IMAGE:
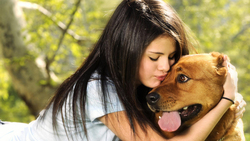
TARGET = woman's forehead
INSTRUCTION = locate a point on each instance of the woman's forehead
(162, 44)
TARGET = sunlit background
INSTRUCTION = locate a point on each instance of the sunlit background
(222, 26)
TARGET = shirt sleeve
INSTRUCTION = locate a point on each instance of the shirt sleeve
(95, 104)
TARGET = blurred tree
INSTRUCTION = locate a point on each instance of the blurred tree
(18, 61)
(39, 52)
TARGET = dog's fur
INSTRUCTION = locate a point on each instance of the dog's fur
(196, 79)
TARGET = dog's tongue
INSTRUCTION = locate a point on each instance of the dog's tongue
(170, 121)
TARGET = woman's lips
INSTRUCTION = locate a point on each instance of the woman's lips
(161, 78)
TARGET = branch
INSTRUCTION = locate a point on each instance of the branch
(243, 29)
(45, 12)
(49, 61)
(65, 29)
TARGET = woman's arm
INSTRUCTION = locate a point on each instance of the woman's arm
(201, 129)
(119, 124)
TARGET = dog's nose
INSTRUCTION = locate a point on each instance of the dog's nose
(152, 98)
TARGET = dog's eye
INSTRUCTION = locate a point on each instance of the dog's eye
(182, 78)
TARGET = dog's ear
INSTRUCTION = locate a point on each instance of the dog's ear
(220, 69)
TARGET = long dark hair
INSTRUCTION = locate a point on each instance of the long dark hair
(117, 54)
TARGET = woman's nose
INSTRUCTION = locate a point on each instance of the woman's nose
(164, 66)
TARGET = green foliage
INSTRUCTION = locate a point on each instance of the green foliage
(222, 26)
(12, 107)
(4, 82)
(247, 135)
(43, 34)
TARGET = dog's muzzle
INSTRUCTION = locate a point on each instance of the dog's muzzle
(152, 98)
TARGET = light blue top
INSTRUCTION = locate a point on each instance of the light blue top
(43, 131)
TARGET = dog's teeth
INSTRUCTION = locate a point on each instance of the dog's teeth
(159, 117)
(185, 108)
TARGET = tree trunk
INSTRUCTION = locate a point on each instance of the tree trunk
(25, 73)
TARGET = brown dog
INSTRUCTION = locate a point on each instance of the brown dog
(191, 89)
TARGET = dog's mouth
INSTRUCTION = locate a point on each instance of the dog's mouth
(189, 112)
(170, 121)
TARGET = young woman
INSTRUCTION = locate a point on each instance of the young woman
(104, 99)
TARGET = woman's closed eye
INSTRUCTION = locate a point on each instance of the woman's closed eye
(153, 59)
(171, 57)
(156, 58)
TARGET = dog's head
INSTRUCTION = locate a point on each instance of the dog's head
(193, 86)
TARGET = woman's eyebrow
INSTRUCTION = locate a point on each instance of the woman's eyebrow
(156, 52)
(161, 52)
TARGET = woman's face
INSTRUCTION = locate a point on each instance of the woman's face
(156, 61)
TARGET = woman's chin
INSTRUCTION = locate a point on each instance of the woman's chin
(153, 85)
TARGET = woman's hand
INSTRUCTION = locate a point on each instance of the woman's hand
(230, 86)
(230, 89)
(240, 106)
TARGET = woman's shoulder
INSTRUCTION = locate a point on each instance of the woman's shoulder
(96, 104)
(95, 83)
